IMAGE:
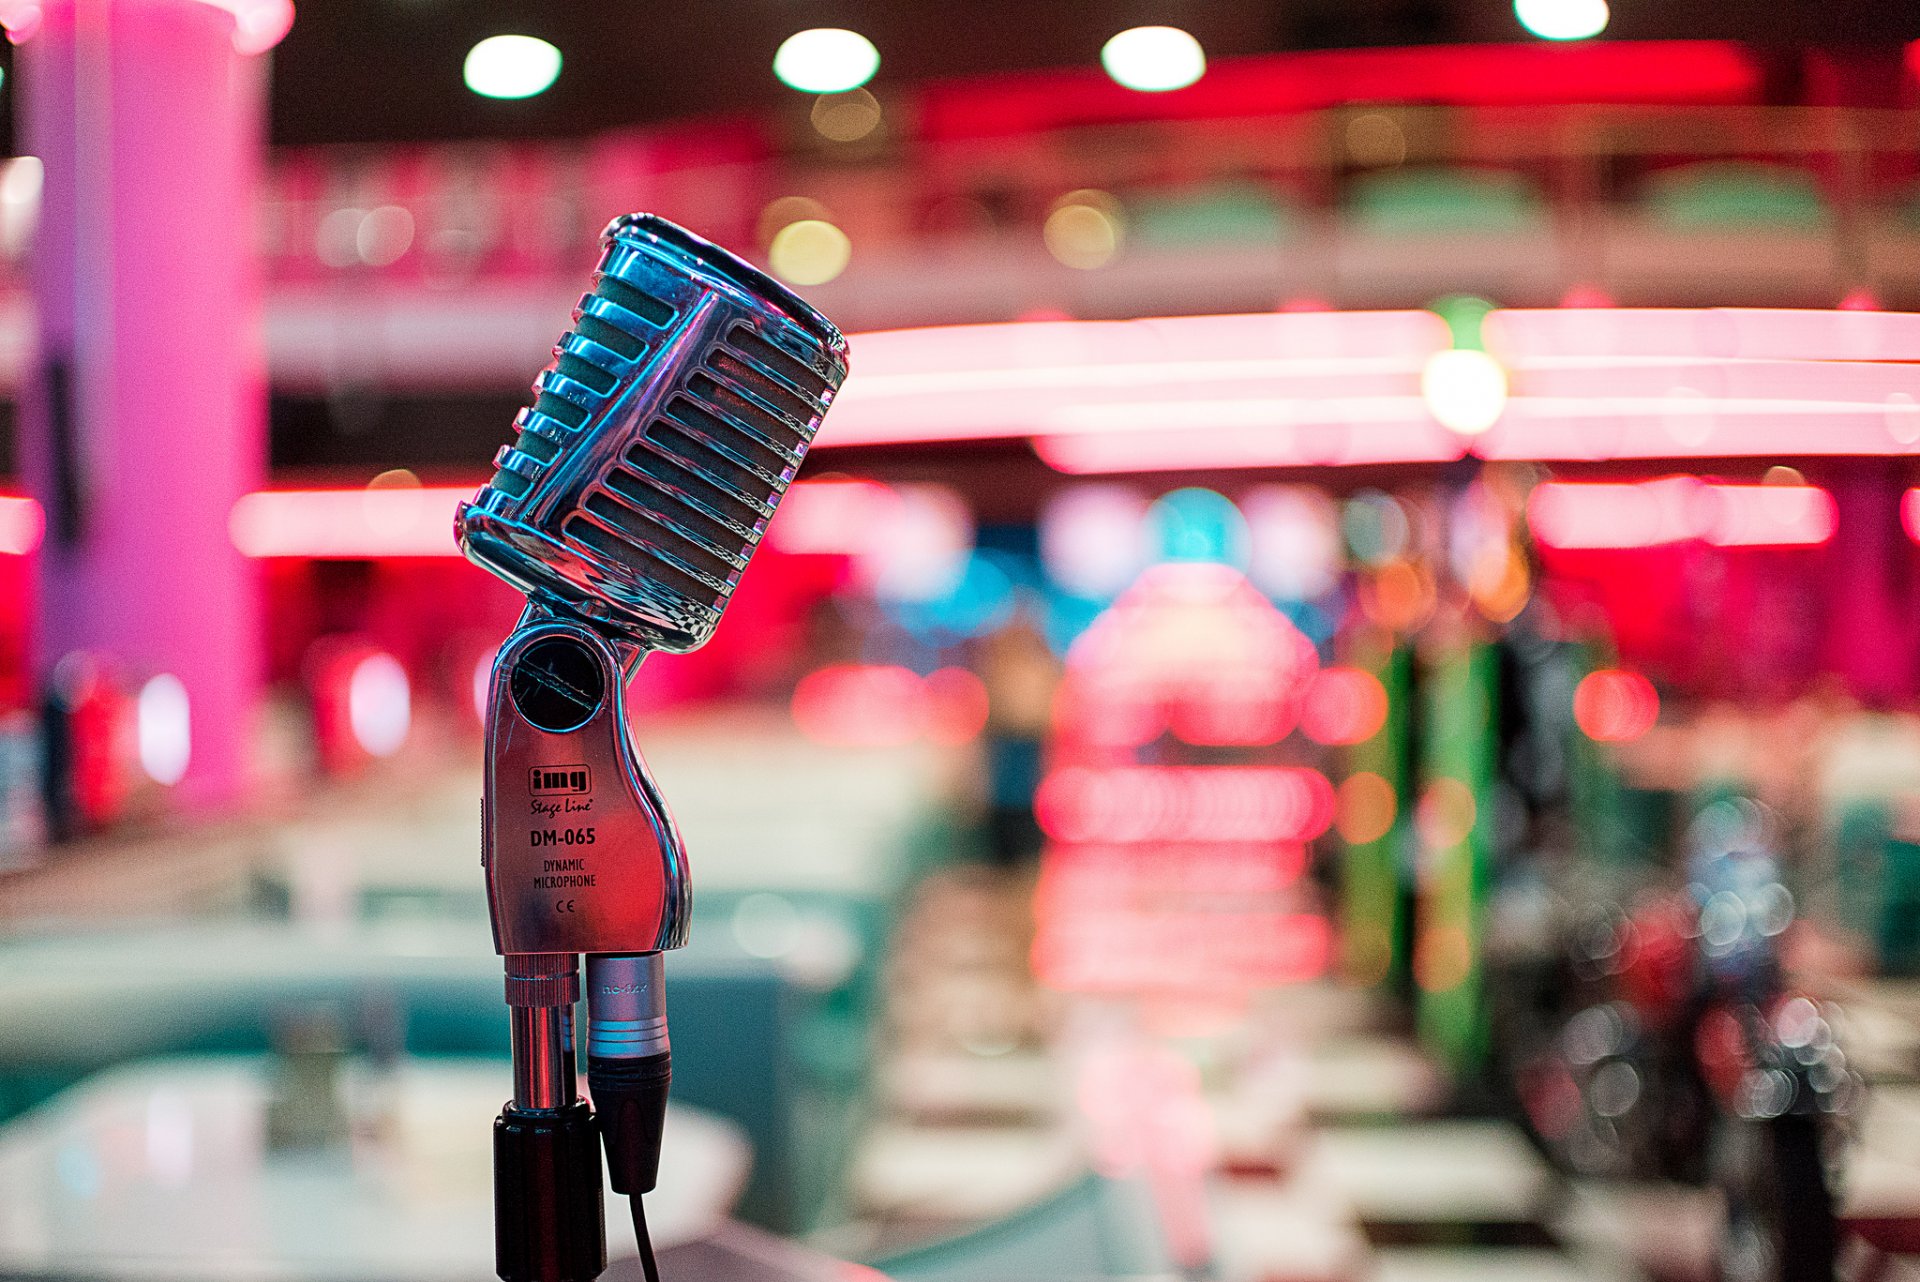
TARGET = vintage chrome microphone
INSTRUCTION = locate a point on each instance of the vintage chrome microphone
(659, 442)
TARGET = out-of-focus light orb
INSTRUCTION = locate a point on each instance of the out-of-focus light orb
(384, 236)
(1092, 539)
(1343, 706)
(1465, 390)
(810, 252)
(1198, 524)
(1615, 706)
(336, 239)
(1562, 19)
(164, 730)
(379, 704)
(825, 60)
(1375, 139)
(1084, 229)
(512, 66)
(846, 117)
(1367, 808)
(1154, 59)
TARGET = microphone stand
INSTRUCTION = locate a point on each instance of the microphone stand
(581, 858)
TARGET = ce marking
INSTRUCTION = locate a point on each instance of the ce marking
(563, 905)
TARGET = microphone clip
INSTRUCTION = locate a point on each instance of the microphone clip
(580, 853)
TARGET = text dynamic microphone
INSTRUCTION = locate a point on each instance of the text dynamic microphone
(673, 417)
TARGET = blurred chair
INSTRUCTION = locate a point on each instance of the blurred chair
(1218, 214)
(1734, 195)
(1431, 201)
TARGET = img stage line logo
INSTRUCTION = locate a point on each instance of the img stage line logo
(561, 781)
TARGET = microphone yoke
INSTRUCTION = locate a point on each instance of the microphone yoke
(660, 440)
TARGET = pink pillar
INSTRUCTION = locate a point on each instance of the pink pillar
(145, 417)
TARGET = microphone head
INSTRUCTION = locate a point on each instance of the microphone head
(674, 416)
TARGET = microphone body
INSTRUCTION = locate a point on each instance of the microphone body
(660, 440)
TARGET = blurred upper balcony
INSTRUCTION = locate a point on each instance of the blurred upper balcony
(1638, 173)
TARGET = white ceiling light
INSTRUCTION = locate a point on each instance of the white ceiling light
(826, 60)
(1562, 19)
(511, 66)
(1154, 59)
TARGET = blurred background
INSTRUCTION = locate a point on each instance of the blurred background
(1336, 699)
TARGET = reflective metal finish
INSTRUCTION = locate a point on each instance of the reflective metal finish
(542, 1058)
(626, 1005)
(541, 991)
(580, 853)
(660, 440)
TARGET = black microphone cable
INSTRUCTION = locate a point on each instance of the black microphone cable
(630, 1069)
(647, 1265)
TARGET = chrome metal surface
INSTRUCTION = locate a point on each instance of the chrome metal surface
(541, 991)
(674, 416)
(626, 1005)
(542, 1057)
(580, 853)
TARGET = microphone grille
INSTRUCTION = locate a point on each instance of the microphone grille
(676, 412)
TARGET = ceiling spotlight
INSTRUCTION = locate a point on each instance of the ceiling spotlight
(511, 66)
(1154, 59)
(826, 60)
(1562, 19)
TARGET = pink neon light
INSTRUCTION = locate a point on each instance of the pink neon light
(1521, 336)
(1319, 388)
(1910, 512)
(1352, 431)
(833, 517)
(1578, 515)
(22, 523)
(969, 382)
(861, 706)
(1185, 803)
(347, 524)
(1136, 950)
(258, 25)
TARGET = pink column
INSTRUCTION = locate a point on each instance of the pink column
(145, 417)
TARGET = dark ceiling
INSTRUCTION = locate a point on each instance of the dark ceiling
(389, 70)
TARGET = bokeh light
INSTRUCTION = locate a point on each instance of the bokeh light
(809, 252)
(1343, 706)
(1562, 19)
(1366, 808)
(826, 60)
(1615, 706)
(846, 117)
(1465, 390)
(164, 729)
(379, 704)
(1154, 59)
(512, 66)
(1084, 229)
(1197, 524)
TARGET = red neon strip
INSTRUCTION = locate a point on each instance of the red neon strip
(1576, 515)
(1660, 72)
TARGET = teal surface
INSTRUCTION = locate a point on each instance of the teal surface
(1729, 195)
(1427, 201)
(1098, 1228)
(1227, 214)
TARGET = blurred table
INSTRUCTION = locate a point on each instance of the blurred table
(161, 1170)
